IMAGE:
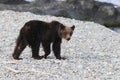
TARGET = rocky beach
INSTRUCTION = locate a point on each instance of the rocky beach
(93, 53)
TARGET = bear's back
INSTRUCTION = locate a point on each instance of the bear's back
(36, 24)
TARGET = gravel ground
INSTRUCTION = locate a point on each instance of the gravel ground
(93, 53)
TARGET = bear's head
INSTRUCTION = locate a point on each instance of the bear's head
(66, 32)
(63, 31)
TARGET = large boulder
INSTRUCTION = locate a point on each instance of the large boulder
(105, 13)
(118, 17)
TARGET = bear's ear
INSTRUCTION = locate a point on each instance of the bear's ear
(62, 26)
(73, 27)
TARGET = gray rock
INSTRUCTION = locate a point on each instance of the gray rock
(87, 10)
(13, 1)
(105, 14)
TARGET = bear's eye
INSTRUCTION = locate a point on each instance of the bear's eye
(71, 33)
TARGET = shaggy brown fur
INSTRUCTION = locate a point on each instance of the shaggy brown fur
(35, 32)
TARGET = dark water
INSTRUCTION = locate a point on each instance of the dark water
(116, 29)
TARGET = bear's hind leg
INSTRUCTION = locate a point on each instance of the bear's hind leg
(18, 49)
(46, 47)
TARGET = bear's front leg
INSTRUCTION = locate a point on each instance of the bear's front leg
(57, 50)
(35, 51)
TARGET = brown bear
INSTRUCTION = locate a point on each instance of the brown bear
(35, 32)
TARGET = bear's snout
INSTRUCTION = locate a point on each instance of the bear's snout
(68, 39)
